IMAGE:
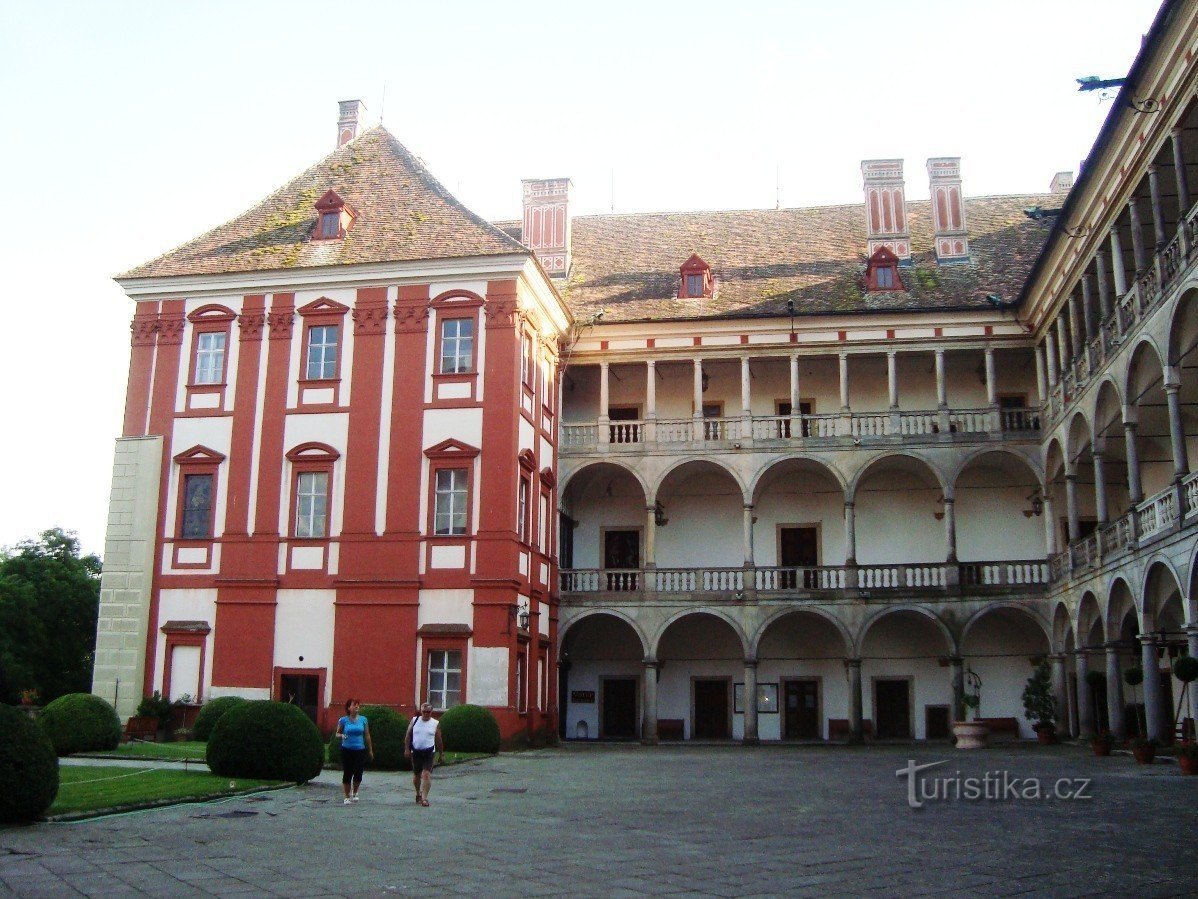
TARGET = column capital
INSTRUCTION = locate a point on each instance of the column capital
(651, 663)
(1102, 250)
(750, 662)
(891, 353)
(848, 504)
(1071, 476)
(956, 660)
(1111, 647)
(1149, 639)
(1057, 656)
(1096, 453)
(852, 662)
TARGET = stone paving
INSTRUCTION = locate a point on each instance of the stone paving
(631, 821)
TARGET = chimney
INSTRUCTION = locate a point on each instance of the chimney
(948, 209)
(347, 121)
(886, 208)
(546, 227)
(1062, 183)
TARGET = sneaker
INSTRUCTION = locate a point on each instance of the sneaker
(354, 798)
(345, 801)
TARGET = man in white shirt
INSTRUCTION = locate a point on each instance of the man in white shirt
(422, 741)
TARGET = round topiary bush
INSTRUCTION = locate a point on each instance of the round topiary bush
(210, 713)
(28, 768)
(268, 740)
(1185, 669)
(80, 722)
(387, 731)
(470, 728)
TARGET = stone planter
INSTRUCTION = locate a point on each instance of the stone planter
(971, 734)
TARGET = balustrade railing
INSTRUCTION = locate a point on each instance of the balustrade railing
(971, 421)
(919, 423)
(870, 424)
(1189, 491)
(1020, 420)
(1156, 513)
(625, 432)
(675, 430)
(813, 578)
(1002, 574)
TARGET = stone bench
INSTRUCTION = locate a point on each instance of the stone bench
(1001, 727)
(838, 729)
(670, 729)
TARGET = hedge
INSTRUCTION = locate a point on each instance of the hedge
(28, 768)
(470, 728)
(210, 713)
(266, 740)
(81, 722)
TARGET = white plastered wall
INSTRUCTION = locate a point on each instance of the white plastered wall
(304, 631)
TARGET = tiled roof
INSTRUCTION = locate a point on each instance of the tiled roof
(403, 213)
(628, 265)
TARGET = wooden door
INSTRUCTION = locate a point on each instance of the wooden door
(623, 433)
(619, 709)
(711, 710)
(892, 709)
(302, 690)
(784, 407)
(622, 553)
(802, 710)
(798, 548)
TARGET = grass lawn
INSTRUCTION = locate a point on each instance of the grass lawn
(193, 750)
(87, 788)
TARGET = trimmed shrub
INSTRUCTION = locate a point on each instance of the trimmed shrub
(267, 740)
(28, 768)
(210, 713)
(470, 728)
(387, 731)
(81, 722)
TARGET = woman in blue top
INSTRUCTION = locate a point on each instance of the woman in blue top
(353, 730)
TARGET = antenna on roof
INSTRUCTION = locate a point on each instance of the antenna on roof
(777, 186)
(383, 105)
(613, 190)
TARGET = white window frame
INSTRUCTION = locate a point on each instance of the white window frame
(322, 352)
(457, 347)
(210, 357)
(440, 670)
(312, 505)
(451, 495)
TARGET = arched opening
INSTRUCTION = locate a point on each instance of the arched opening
(1183, 353)
(906, 684)
(701, 659)
(1063, 642)
(601, 664)
(899, 512)
(1002, 646)
(998, 509)
(1164, 619)
(1081, 461)
(1109, 437)
(1121, 654)
(700, 523)
(602, 542)
(800, 660)
(798, 525)
(1055, 531)
(1145, 394)
(1091, 660)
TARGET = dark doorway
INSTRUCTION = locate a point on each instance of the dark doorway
(619, 709)
(1102, 721)
(936, 722)
(623, 433)
(622, 552)
(302, 690)
(711, 710)
(784, 408)
(892, 709)
(714, 427)
(802, 710)
(798, 548)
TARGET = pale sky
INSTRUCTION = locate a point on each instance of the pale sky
(134, 126)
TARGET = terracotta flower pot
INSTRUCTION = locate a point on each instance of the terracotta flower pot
(1046, 734)
(1144, 754)
(1188, 763)
(1101, 747)
(971, 734)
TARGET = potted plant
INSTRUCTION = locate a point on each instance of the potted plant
(184, 712)
(1143, 749)
(1094, 680)
(971, 734)
(1187, 757)
(1102, 743)
(156, 708)
(1185, 669)
(1040, 705)
(1134, 677)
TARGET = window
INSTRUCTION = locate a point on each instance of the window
(522, 511)
(334, 217)
(457, 345)
(330, 225)
(444, 678)
(197, 507)
(322, 352)
(521, 686)
(210, 357)
(885, 278)
(311, 505)
(543, 525)
(881, 272)
(694, 285)
(449, 517)
(694, 278)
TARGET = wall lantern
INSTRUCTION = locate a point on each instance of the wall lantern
(1037, 506)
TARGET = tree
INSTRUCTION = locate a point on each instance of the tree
(49, 601)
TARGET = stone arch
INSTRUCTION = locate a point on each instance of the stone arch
(700, 517)
(696, 461)
(569, 480)
(613, 613)
(1054, 458)
(764, 473)
(1062, 627)
(914, 608)
(701, 610)
(1161, 582)
(889, 492)
(1121, 599)
(602, 652)
(836, 623)
(1078, 439)
(1143, 370)
(881, 459)
(1108, 409)
(1089, 614)
(1183, 325)
(998, 644)
(973, 455)
(1044, 626)
(601, 497)
(996, 492)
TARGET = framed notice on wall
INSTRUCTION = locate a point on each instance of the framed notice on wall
(582, 696)
(767, 699)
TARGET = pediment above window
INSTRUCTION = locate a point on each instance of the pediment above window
(323, 306)
(313, 452)
(211, 313)
(452, 449)
(199, 455)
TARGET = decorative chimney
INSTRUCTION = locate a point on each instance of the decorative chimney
(1062, 183)
(948, 209)
(347, 122)
(546, 227)
(886, 208)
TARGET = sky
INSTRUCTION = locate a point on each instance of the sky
(135, 126)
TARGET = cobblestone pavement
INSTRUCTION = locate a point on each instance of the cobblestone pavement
(623, 821)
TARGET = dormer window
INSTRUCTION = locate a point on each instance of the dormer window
(695, 281)
(335, 217)
(881, 272)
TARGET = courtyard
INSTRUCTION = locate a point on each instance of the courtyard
(599, 820)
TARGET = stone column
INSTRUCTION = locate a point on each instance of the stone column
(1071, 505)
(957, 683)
(1060, 690)
(852, 668)
(750, 737)
(1158, 210)
(1177, 434)
(1050, 527)
(1192, 640)
(941, 386)
(649, 702)
(1100, 507)
(1117, 262)
(1114, 692)
(748, 535)
(892, 377)
(1137, 235)
(1179, 173)
(844, 382)
(1062, 343)
(950, 530)
(1134, 489)
(991, 380)
(1093, 314)
(1051, 356)
(651, 396)
(1085, 698)
(1104, 282)
(850, 534)
(746, 403)
(796, 421)
(604, 434)
(1041, 377)
(697, 394)
(1076, 325)
(651, 536)
(1154, 712)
